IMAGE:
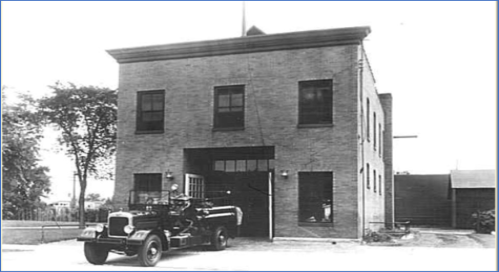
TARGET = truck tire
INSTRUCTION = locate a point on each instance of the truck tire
(150, 252)
(219, 238)
(95, 254)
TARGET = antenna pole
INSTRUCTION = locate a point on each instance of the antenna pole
(244, 19)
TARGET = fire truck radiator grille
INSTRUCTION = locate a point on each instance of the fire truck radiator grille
(116, 225)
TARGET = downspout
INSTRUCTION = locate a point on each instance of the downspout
(360, 81)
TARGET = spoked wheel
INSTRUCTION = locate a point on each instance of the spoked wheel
(150, 253)
(219, 238)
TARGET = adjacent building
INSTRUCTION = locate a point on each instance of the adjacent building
(291, 124)
(424, 200)
(471, 191)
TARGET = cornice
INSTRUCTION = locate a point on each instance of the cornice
(249, 44)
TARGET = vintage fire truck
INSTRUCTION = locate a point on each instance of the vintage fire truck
(160, 221)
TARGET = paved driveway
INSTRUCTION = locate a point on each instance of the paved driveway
(245, 254)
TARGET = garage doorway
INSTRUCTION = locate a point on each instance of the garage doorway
(245, 172)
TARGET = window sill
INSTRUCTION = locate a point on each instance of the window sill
(314, 125)
(317, 224)
(149, 131)
(228, 129)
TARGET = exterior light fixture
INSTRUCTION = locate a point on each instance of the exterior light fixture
(284, 173)
(168, 175)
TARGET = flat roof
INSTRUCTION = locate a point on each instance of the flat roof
(241, 45)
(461, 179)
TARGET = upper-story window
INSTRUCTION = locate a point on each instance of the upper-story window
(316, 102)
(150, 111)
(368, 125)
(229, 107)
(374, 130)
(380, 139)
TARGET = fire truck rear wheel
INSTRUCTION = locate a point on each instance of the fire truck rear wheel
(150, 252)
(219, 238)
(95, 254)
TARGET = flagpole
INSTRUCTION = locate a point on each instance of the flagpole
(244, 19)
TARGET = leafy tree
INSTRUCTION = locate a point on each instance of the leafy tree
(94, 197)
(24, 182)
(86, 117)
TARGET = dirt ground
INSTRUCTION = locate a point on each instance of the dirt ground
(426, 252)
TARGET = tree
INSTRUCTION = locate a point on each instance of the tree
(94, 197)
(86, 117)
(24, 182)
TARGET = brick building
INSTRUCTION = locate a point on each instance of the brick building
(291, 124)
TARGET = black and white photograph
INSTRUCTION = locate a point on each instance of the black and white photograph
(249, 135)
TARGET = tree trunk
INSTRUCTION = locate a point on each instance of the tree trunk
(81, 204)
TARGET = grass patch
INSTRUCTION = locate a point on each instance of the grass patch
(34, 236)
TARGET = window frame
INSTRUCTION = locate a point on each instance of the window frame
(216, 108)
(150, 179)
(368, 172)
(368, 125)
(140, 124)
(326, 106)
(375, 135)
(380, 184)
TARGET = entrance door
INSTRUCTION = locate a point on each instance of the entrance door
(194, 186)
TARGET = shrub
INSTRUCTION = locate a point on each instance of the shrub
(484, 221)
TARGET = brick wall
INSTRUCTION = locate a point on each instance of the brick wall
(386, 101)
(271, 118)
(371, 199)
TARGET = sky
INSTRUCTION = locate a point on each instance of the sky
(437, 59)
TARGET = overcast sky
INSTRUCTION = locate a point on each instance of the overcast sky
(438, 59)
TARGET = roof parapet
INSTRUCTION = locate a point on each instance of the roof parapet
(248, 44)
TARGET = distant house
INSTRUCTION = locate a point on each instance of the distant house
(424, 200)
(60, 204)
(473, 190)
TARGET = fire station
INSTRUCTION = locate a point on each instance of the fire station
(291, 125)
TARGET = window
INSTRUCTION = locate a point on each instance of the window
(150, 111)
(368, 185)
(229, 107)
(315, 102)
(147, 182)
(379, 180)
(374, 181)
(315, 197)
(374, 131)
(368, 120)
(243, 165)
(380, 139)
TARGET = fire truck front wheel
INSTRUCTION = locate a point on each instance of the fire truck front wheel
(150, 252)
(219, 238)
(95, 254)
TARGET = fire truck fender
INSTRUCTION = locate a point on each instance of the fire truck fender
(138, 238)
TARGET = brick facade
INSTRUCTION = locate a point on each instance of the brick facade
(271, 81)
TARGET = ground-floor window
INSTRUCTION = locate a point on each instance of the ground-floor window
(315, 196)
(147, 182)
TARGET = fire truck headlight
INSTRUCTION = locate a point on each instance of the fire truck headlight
(128, 229)
(99, 228)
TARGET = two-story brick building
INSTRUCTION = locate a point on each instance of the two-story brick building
(291, 124)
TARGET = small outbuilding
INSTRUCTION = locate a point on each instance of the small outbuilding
(471, 191)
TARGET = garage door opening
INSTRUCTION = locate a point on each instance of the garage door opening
(247, 173)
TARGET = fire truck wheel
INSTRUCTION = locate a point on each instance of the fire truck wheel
(95, 254)
(219, 238)
(150, 252)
